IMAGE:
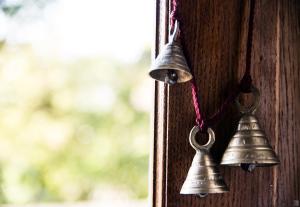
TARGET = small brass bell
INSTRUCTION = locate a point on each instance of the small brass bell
(203, 176)
(171, 66)
(249, 147)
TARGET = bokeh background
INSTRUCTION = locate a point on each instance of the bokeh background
(75, 101)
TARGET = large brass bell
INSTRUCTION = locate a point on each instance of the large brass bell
(249, 147)
(203, 176)
(171, 66)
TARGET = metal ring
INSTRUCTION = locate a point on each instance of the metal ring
(196, 145)
(253, 107)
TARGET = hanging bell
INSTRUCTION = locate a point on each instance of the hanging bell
(203, 176)
(171, 66)
(249, 147)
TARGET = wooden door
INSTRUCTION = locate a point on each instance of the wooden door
(214, 43)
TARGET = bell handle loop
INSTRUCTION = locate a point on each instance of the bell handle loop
(196, 145)
(251, 109)
(175, 33)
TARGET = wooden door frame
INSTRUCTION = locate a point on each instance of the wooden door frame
(157, 181)
(276, 51)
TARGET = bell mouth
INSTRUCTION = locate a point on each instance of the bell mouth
(250, 167)
(206, 192)
(162, 73)
(203, 191)
(202, 195)
(251, 163)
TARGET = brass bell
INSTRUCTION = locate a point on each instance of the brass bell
(171, 66)
(249, 147)
(203, 176)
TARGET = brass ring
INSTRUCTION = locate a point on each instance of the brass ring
(253, 107)
(196, 145)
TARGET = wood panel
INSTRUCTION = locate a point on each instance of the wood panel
(288, 181)
(214, 35)
(158, 155)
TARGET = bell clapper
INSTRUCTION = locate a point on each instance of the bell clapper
(171, 78)
(248, 167)
(202, 195)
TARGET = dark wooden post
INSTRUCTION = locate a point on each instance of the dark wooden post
(214, 43)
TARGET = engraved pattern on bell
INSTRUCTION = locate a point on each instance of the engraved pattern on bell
(249, 146)
(203, 176)
(171, 66)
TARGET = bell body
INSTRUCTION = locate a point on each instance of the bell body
(171, 60)
(203, 176)
(249, 145)
(171, 66)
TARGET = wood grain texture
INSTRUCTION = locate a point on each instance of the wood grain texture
(158, 155)
(214, 40)
(288, 187)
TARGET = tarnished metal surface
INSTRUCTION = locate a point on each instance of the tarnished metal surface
(203, 176)
(171, 66)
(249, 146)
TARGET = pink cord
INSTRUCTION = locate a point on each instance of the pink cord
(199, 117)
(245, 83)
(173, 15)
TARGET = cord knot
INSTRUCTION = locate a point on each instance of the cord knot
(246, 83)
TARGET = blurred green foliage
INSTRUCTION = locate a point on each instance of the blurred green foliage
(12, 7)
(69, 129)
